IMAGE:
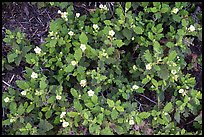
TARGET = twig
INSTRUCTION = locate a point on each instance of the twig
(148, 98)
(11, 79)
(140, 104)
(7, 83)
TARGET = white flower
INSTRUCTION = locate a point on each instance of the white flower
(175, 10)
(90, 93)
(6, 99)
(187, 87)
(173, 71)
(83, 83)
(73, 63)
(95, 26)
(62, 114)
(65, 124)
(133, 38)
(105, 7)
(165, 113)
(148, 66)
(58, 97)
(135, 87)
(111, 33)
(37, 50)
(104, 54)
(71, 33)
(131, 122)
(77, 15)
(59, 12)
(191, 28)
(101, 6)
(181, 90)
(34, 75)
(83, 47)
(23, 92)
(134, 67)
(64, 15)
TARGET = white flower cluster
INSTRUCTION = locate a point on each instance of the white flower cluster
(83, 47)
(135, 87)
(104, 53)
(101, 6)
(95, 26)
(63, 15)
(182, 91)
(65, 124)
(62, 114)
(83, 83)
(6, 99)
(131, 121)
(90, 93)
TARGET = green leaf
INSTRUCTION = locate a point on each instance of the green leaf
(13, 107)
(21, 109)
(163, 73)
(30, 108)
(45, 126)
(170, 44)
(106, 131)
(107, 22)
(127, 33)
(74, 93)
(176, 18)
(78, 54)
(11, 57)
(94, 98)
(72, 114)
(114, 114)
(77, 105)
(168, 107)
(177, 116)
(144, 115)
(119, 108)
(100, 118)
(119, 43)
(127, 6)
(6, 122)
(69, 68)
(154, 9)
(48, 114)
(150, 35)
(43, 83)
(83, 38)
(51, 99)
(172, 55)
(138, 30)
(155, 83)
(110, 103)
(44, 109)
(199, 118)
(148, 56)
(22, 84)
(157, 47)
(86, 116)
(164, 9)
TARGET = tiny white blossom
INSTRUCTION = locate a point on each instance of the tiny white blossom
(62, 114)
(131, 122)
(83, 47)
(187, 87)
(23, 92)
(181, 90)
(37, 50)
(191, 28)
(173, 71)
(104, 54)
(64, 15)
(148, 66)
(58, 97)
(83, 83)
(111, 33)
(77, 15)
(73, 63)
(65, 124)
(34, 75)
(105, 7)
(133, 38)
(59, 12)
(101, 6)
(71, 33)
(134, 67)
(6, 99)
(175, 10)
(165, 113)
(90, 93)
(95, 26)
(135, 87)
